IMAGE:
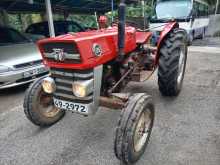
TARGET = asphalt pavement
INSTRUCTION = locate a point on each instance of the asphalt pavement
(186, 130)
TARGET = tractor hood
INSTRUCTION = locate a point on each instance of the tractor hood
(95, 47)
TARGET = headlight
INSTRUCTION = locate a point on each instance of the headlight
(4, 69)
(82, 88)
(49, 85)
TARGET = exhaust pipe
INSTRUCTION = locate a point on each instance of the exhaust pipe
(121, 29)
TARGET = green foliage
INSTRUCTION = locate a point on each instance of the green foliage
(134, 11)
(22, 21)
(85, 20)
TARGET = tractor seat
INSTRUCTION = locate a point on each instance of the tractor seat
(142, 37)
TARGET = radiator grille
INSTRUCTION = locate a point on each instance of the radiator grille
(69, 52)
(64, 79)
(28, 64)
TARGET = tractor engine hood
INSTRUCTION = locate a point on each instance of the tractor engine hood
(89, 49)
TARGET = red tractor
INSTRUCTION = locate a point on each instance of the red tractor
(90, 69)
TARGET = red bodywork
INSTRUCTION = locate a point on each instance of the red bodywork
(106, 38)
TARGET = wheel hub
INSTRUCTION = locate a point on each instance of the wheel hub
(181, 67)
(141, 131)
(46, 105)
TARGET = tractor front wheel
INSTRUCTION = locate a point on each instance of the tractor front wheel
(172, 63)
(39, 107)
(134, 128)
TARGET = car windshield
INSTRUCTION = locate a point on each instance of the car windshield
(10, 36)
(62, 27)
(65, 27)
(173, 9)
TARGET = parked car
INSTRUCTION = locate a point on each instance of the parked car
(60, 27)
(20, 59)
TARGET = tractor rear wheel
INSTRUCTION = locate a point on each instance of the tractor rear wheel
(39, 107)
(134, 128)
(172, 63)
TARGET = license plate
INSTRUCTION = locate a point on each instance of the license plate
(69, 106)
(34, 72)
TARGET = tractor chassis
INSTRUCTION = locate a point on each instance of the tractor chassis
(90, 83)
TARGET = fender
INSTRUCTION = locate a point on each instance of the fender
(168, 27)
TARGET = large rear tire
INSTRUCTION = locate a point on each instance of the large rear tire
(39, 107)
(172, 63)
(134, 128)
